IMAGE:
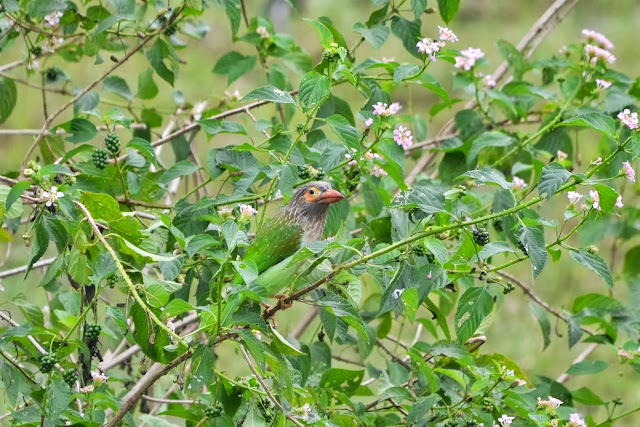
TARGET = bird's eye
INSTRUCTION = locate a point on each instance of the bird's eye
(312, 192)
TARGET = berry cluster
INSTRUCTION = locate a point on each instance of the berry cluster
(303, 172)
(47, 362)
(92, 332)
(70, 376)
(213, 411)
(421, 250)
(36, 51)
(171, 30)
(508, 288)
(333, 52)
(497, 224)
(521, 246)
(481, 236)
(112, 279)
(112, 142)
(463, 190)
(100, 158)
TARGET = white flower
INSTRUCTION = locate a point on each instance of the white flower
(247, 210)
(257, 334)
(446, 34)
(552, 403)
(518, 183)
(67, 423)
(52, 44)
(225, 212)
(305, 410)
(235, 96)
(368, 122)
(468, 58)
(394, 108)
(99, 377)
(561, 155)
(278, 92)
(576, 421)
(629, 119)
(573, 197)
(505, 420)
(428, 47)
(595, 53)
(263, 32)
(370, 155)
(594, 36)
(597, 162)
(87, 389)
(52, 19)
(171, 325)
(603, 84)
(488, 81)
(397, 293)
(387, 60)
(402, 136)
(378, 171)
(52, 196)
(619, 202)
(595, 199)
(518, 382)
(33, 65)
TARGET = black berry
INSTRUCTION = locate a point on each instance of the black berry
(100, 158)
(112, 141)
(70, 376)
(47, 362)
(481, 236)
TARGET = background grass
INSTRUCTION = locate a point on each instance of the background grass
(480, 24)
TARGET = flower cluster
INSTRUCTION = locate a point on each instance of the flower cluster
(505, 420)
(447, 35)
(377, 171)
(52, 19)
(52, 196)
(382, 109)
(594, 53)
(602, 84)
(518, 183)
(263, 32)
(552, 403)
(431, 47)
(628, 118)
(576, 421)
(598, 38)
(468, 58)
(628, 171)
(99, 377)
(403, 137)
(247, 210)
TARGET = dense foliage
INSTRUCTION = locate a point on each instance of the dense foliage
(146, 247)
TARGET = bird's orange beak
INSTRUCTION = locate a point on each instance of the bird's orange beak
(330, 196)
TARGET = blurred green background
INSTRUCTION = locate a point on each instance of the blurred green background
(480, 23)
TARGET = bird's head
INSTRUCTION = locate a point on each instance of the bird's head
(309, 206)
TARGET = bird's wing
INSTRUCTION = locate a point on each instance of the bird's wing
(276, 241)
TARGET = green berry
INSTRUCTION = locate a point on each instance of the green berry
(112, 141)
(481, 236)
(171, 30)
(521, 246)
(100, 158)
(213, 411)
(320, 174)
(36, 51)
(92, 332)
(303, 172)
(70, 376)
(112, 279)
(47, 362)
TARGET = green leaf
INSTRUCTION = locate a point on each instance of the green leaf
(494, 248)
(588, 367)
(596, 121)
(594, 263)
(216, 126)
(41, 8)
(418, 7)
(147, 88)
(342, 380)
(474, 305)
(487, 139)
(31, 312)
(153, 257)
(533, 240)
(39, 246)
(345, 131)
(101, 205)
(404, 72)
(151, 420)
(82, 130)
(586, 396)
(123, 8)
(283, 346)
(269, 93)
(607, 197)
(15, 192)
(8, 98)
(326, 38)
(487, 176)
(185, 167)
(543, 321)
(157, 56)
(233, 8)
(314, 90)
(58, 396)
(448, 9)
(119, 86)
(235, 65)
(17, 208)
(408, 32)
(247, 269)
(551, 179)
(376, 34)
(87, 102)
(420, 409)
(145, 148)
(54, 169)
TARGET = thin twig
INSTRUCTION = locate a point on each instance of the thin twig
(265, 388)
(23, 268)
(169, 401)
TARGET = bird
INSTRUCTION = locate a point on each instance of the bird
(300, 222)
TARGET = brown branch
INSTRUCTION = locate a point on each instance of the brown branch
(304, 323)
(392, 355)
(155, 372)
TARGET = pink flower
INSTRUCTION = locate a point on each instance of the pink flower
(576, 421)
(595, 199)
(468, 58)
(52, 19)
(629, 119)
(429, 276)
(518, 183)
(263, 32)
(594, 36)
(619, 202)
(574, 197)
(387, 60)
(505, 420)
(370, 155)
(378, 171)
(368, 122)
(489, 82)
(403, 137)
(602, 84)
(394, 108)
(628, 171)
(595, 53)
(247, 210)
(382, 109)
(552, 403)
(428, 47)
(447, 35)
